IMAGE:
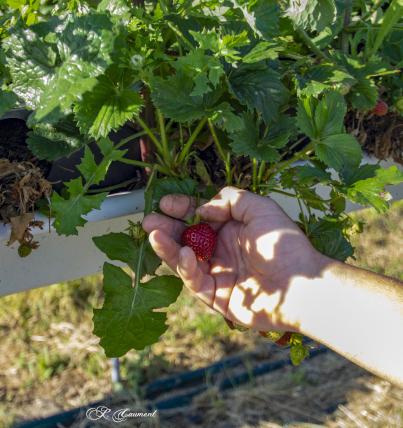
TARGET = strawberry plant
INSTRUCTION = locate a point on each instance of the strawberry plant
(251, 93)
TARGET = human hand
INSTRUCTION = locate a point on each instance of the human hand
(260, 255)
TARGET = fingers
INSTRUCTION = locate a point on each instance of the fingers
(171, 227)
(165, 247)
(178, 206)
(193, 276)
(233, 203)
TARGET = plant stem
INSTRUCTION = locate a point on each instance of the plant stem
(254, 175)
(150, 134)
(186, 148)
(283, 165)
(179, 34)
(129, 138)
(141, 164)
(260, 173)
(164, 141)
(310, 44)
(114, 187)
(226, 158)
(347, 19)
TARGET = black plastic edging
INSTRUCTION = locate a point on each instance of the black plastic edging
(179, 400)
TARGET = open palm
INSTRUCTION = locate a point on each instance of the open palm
(259, 250)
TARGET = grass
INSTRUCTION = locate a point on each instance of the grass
(49, 359)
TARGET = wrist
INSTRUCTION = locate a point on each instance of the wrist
(303, 296)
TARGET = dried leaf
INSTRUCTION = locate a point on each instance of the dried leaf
(19, 226)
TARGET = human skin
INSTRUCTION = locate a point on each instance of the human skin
(266, 275)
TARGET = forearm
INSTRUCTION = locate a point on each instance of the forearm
(357, 313)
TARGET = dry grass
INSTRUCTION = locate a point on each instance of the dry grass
(50, 361)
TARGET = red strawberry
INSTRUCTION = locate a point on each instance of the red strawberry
(202, 239)
(381, 108)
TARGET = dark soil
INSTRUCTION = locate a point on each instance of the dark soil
(381, 137)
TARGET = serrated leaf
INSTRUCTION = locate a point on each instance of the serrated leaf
(7, 101)
(371, 191)
(248, 142)
(50, 76)
(313, 15)
(53, 141)
(92, 172)
(111, 103)
(225, 118)
(321, 118)
(309, 175)
(205, 70)
(351, 175)
(364, 95)
(169, 185)
(127, 319)
(261, 52)
(328, 238)
(259, 88)
(329, 115)
(339, 151)
(173, 97)
(70, 212)
(262, 16)
(122, 247)
(324, 77)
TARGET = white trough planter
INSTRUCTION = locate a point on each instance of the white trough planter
(61, 258)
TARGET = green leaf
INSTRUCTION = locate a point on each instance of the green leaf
(324, 77)
(339, 151)
(309, 175)
(319, 119)
(111, 103)
(261, 15)
(122, 247)
(305, 116)
(371, 191)
(328, 238)
(169, 185)
(329, 115)
(312, 15)
(261, 52)
(70, 212)
(7, 101)
(259, 88)
(53, 141)
(94, 173)
(173, 97)
(225, 118)
(351, 175)
(50, 76)
(205, 70)
(127, 319)
(364, 94)
(248, 142)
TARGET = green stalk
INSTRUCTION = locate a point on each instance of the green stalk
(147, 210)
(254, 175)
(150, 134)
(164, 141)
(347, 19)
(186, 148)
(226, 158)
(161, 168)
(390, 18)
(179, 34)
(260, 173)
(310, 44)
(280, 166)
(129, 138)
